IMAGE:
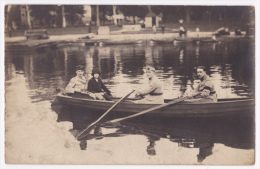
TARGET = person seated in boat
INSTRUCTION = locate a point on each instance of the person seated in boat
(238, 32)
(222, 31)
(77, 83)
(152, 93)
(205, 88)
(96, 86)
(182, 31)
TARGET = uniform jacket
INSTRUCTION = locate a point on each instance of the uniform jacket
(152, 93)
(207, 89)
(97, 86)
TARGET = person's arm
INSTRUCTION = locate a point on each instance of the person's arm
(151, 87)
(105, 88)
(71, 86)
(206, 90)
(90, 86)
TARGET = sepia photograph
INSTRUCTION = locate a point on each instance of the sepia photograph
(115, 84)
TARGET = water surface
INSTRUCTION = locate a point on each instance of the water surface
(35, 74)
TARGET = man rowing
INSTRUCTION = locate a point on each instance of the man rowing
(152, 93)
(205, 88)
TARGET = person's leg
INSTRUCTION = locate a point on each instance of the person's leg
(107, 97)
(99, 96)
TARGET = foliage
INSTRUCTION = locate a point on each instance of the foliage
(134, 10)
(13, 15)
(42, 12)
(73, 13)
(51, 14)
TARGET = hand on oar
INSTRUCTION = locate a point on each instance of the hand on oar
(91, 126)
(151, 109)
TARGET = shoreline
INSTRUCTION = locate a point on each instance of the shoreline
(77, 38)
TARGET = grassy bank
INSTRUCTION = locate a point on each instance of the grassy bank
(203, 26)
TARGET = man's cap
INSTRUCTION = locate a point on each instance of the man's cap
(80, 67)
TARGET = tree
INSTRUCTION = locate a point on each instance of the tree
(42, 13)
(134, 10)
(73, 12)
(114, 13)
(64, 24)
(188, 11)
(97, 16)
(13, 14)
(157, 9)
(28, 15)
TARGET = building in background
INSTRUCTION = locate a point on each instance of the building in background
(152, 19)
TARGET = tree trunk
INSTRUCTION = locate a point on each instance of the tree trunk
(114, 13)
(28, 17)
(63, 17)
(209, 15)
(225, 13)
(97, 16)
(134, 19)
(187, 9)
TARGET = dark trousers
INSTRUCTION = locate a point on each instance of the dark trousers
(182, 33)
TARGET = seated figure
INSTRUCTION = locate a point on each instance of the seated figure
(182, 31)
(221, 31)
(205, 88)
(238, 32)
(77, 83)
(96, 86)
(152, 93)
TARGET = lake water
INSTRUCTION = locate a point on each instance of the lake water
(33, 75)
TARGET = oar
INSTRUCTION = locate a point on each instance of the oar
(91, 126)
(151, 109)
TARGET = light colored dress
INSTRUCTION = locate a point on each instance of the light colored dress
(76, 84)
(152, 93)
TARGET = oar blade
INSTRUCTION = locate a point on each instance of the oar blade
(85, 132)
(89, 128)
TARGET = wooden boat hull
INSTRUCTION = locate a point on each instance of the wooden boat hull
(183, 40)
(120, 42)
(192, 39)
(223, 107)
(162, 41)
(208, 41)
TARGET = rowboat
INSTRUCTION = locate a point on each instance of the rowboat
(193, 39)
(224, 107)
(180, 39)
(162, 41)
(120, 41)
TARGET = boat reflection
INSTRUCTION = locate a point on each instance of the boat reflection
(191, 133)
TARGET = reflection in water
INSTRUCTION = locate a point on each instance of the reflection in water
(231, 66)
(192, 133)
(151, 147)
(205, 149)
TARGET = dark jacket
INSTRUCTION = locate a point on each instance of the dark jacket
(97, 86)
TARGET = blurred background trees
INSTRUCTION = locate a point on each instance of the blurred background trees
(73, 15)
